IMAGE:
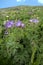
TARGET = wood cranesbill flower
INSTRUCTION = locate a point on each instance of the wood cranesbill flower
(34, 20)
(9, 24)
(22, 25)
(18, 23)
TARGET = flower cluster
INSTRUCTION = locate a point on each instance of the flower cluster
(34, 20)
(10, 24)
(19, 24)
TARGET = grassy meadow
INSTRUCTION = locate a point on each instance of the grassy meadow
(21, 43)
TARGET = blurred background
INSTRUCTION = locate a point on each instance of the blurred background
(11, 3)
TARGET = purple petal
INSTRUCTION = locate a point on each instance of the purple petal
(34, 20)
(22, 25)
(18, 24)
(9, 24)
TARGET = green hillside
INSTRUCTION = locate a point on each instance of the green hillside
(21, 35)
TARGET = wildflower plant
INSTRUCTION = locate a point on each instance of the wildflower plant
(21, 43)
(34, 20)
(19, 24)
(9, 24)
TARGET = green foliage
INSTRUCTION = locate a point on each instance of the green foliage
(21, 46)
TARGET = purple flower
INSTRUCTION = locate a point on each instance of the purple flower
(22, 25)
(9, 24)
(34, 20)
(18, 23)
